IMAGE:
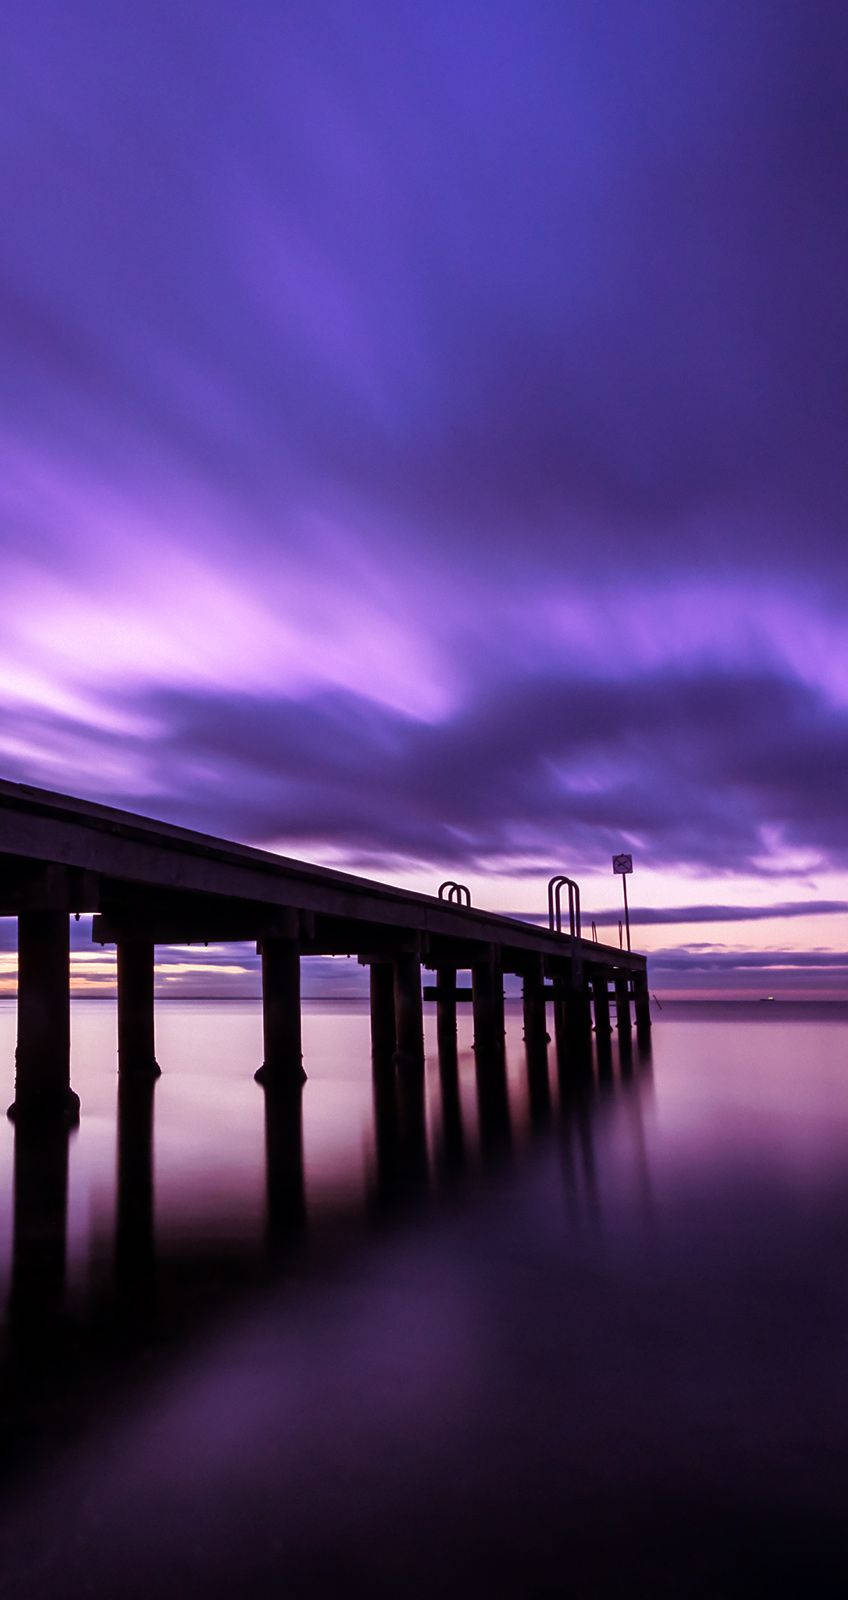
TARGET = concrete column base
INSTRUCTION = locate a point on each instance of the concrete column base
(136, 1049)
(63, 1109)
(600, 996)
(446, 1004)
(642, 1006)
(281, 1012)
(43, 1055)
(579, 1015)
(622, 1003)
(488, 1004)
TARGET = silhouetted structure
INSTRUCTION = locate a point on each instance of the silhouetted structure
(149, 883)
(400, 1133)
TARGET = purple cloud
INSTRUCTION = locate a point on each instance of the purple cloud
(423, 428)
(705, 771)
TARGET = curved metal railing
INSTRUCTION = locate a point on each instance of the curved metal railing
(457, 893)
(557, 883)
(555, 887)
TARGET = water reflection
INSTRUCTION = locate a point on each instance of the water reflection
(400, 1133)
(661, 1352)
(135, 1249)
(538, 1084)
(602, 1093)
(37, 1292)
(577, 1104)
(411, 1110)
(453, 1149)
(407, 1103)
(493, 1108)
(284, 1173)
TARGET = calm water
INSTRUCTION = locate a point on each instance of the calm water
(447, 1339)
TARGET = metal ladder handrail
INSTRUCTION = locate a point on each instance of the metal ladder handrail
(458, 893)
(555, 888)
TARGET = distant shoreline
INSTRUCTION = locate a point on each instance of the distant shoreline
(765, 1005)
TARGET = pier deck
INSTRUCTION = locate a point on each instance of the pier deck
(151, 883)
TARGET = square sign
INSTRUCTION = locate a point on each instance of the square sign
(622, 864)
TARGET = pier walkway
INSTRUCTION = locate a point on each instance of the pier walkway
(149, 883)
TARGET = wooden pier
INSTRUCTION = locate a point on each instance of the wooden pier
(148, 883)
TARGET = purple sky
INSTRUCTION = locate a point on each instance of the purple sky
(424, 445)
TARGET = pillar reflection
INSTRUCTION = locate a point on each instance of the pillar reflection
(539, 1089)
(453, 1133)
(400, 1131)
(536, 1044)
(135, 1245)
(625, 1054)
(603, 1054)
(594, 1113)
(645, 1056)
(284, 1171)
(573, 1047)
(39, 1237)
(578, 1112)
(493, 1105)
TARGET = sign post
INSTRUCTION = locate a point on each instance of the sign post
(622, 865)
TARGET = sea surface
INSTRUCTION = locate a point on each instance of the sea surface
(459, 1334)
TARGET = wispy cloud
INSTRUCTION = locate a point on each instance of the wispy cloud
(424, 430)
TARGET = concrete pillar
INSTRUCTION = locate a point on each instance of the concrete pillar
(446, 1004)
(136, 1050)
(409, 1014)
(500, 1016)
(642, 1004)
(622, 1003)
(603, 1029)
(560, 1018)
(579, 1029)
(281, 1011)
(382, 983)
(487, 1001)
(579, 1015)
(535, 1020)
(490, 1058)
(43, 1055)
(600, 995)
(573, 1018)
(536, 1044)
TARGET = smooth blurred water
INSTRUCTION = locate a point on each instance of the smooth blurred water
(441, 1336)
